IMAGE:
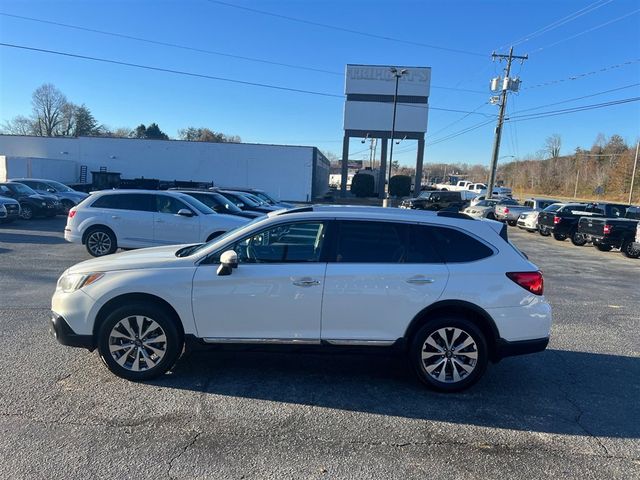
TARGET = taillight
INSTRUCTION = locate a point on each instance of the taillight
(72, 213)
(531, 281)
(506, 210)
(607, 229)
(556, 220)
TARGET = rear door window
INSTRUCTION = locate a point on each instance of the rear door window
(370, 242)
(126, 201)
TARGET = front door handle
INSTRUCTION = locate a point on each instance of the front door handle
(159, 221)
(115, 217)
(306, 282)
(420, 280)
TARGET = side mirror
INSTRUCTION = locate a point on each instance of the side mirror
(185, 213)
(228, 261)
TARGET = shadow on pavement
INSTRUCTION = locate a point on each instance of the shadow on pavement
(561, 392)
(37, 239)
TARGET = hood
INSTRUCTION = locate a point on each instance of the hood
(7, 200)
(155, 257)
(44, 196)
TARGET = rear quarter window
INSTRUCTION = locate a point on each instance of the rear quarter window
(455, 246)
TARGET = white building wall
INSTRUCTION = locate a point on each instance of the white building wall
(284, 171)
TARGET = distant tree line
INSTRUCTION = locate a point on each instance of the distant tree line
(53, 115)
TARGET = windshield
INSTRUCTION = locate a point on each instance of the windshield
(259, 201)
(227, 204)
(239, 199)
(194, 249)
(486, 203)
(20, 188)
(265, 198)
(197, 204)
(553, 208)
(59, 187)
(425, 193)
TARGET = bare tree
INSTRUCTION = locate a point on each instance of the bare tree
(48, 107)
(19, 125)
(552, 146)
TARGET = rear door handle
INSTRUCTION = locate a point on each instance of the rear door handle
(420, 280)
(306, 282)
(115, 217)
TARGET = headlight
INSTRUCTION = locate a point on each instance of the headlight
(3, 209)
(71, 282)
(44, 204)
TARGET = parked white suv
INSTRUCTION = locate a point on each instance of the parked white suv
(113, 219)
(451, 290)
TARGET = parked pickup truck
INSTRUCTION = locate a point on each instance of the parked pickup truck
(511, 213)
(608, 233)
(563, 222)
(477, 188)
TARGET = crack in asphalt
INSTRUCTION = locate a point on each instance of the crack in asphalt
(577, 419)
(181, 453)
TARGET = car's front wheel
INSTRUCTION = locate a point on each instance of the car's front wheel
(139, 342)
(544, 231)
(449, 354)
(578, 239)
(26, 212)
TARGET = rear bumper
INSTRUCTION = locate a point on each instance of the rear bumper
(71, 237)
(505, 348)
(61, 331)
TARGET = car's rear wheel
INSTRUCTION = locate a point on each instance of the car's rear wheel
(449, 354)
(100, 241)
(603, 248)
(628, 250)
(26, 212)
(544, 232)
(560, 237)
(578, 239)
(139, 342)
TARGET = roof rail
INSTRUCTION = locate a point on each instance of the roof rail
(450, 214)
(293, 210)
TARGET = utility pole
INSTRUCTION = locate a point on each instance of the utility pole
(506, 86)
(397, 74)
(372, 152)
(633, 175)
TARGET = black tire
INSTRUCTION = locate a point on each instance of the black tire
(26, 212)
(628, 250)
(578, 239)
(449, 324)
(560, 237)
(100, 241)
(544, 232)
(512, 223)
(603, 248)
(171, 348)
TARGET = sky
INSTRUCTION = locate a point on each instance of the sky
(575, 48)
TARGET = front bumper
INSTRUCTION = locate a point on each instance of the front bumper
(61, 331)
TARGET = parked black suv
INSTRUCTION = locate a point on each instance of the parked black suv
(217, 202)
(243, 201)
(31, 203)
(437, 200)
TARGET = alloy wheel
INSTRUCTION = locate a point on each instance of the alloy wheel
(99, 243)
(26, 212)
(137, 343)
(449, 355)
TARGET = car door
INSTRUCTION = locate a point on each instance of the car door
(382, 275)
(171, 228)
(275, 294)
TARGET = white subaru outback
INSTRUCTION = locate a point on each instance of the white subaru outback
(112, 219)
(450, 290)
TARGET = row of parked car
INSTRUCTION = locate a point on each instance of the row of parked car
(126, 219)
(605, 225)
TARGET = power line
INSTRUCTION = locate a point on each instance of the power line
(576, 98)
(347, 30)
(588, 30)
(172, 45)
(203, 50)
(558, 23)
(553, 113)
(456, 121)
(582, 75)
(192, 74)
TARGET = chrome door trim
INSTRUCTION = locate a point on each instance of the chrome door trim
(270, 341)
(364, 343)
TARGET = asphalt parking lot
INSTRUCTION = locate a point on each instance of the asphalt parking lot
(572, 411)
